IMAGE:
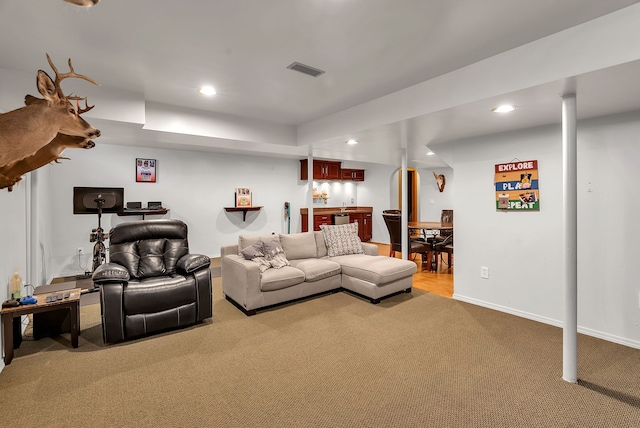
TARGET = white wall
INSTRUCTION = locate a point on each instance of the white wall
(523, 250)
(608, 287)
(195, 186)
(432, 201)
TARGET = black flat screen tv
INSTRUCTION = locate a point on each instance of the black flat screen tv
(85, 199)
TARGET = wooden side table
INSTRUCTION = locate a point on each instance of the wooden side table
(8, 314)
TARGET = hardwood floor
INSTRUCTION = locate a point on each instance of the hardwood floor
(440, 283)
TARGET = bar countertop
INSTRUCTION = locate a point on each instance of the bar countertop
(338, 210)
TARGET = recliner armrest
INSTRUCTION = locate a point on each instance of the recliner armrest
(110, 272)
(192, 262)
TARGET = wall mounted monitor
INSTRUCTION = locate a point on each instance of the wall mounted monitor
(86, 199)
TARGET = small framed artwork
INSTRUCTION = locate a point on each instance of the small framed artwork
(243, 197)
(145, 170)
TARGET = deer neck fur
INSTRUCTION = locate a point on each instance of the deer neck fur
(11, 174)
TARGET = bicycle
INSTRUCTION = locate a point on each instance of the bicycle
(98, 236)
(99, 250)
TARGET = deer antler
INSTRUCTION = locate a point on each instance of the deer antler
(61, 77)
(78, 108)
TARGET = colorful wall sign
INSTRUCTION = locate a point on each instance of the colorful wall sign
(517, 186)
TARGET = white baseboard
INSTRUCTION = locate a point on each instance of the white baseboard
(587, 331)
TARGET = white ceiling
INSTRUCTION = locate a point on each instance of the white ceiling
(373, 51)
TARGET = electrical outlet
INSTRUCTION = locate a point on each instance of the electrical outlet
(80, 251)
(484, 272)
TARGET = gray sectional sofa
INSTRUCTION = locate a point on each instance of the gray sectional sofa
(311, 267)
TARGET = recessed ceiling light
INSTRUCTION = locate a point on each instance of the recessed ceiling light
(430, 153)
(504, 108)
(351, 142)
(207, 90)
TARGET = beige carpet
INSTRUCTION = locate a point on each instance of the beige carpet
(415, 360)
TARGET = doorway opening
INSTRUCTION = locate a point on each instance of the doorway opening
(441, 281)
(413, 193)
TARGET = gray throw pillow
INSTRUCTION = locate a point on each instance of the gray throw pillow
(253, 251)
(272, 247)
(274, 253)
(267, 254)
(245, 241)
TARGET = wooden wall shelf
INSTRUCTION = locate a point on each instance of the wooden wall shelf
(243, 209)
(143, 212)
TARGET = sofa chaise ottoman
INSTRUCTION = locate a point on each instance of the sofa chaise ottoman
(307, 264)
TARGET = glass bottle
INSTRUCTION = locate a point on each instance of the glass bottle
(15, 285)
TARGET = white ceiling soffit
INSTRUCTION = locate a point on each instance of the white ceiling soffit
(608, 41)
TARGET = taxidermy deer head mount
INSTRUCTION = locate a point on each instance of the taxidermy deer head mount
(87, 3)
(24, 132)
(440, 181)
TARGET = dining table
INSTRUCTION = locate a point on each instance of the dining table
(426, 226)
(430, 228)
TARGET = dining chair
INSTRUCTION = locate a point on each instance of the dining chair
(392, 212)
(444, 243)
(445, 246)
(446, 217)
(415, 234)
(417, 246)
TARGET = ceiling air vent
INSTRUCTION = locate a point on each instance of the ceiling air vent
(314, 72)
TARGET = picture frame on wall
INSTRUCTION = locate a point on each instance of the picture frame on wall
(146, 170)
(243, 197)
(517, 186)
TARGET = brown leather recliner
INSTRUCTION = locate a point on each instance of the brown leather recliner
(151, 282)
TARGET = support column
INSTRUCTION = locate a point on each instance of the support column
(30, 228)
(310, 191)
(570, 239)
(404, 219)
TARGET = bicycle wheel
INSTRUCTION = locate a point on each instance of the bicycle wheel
(99, 255)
